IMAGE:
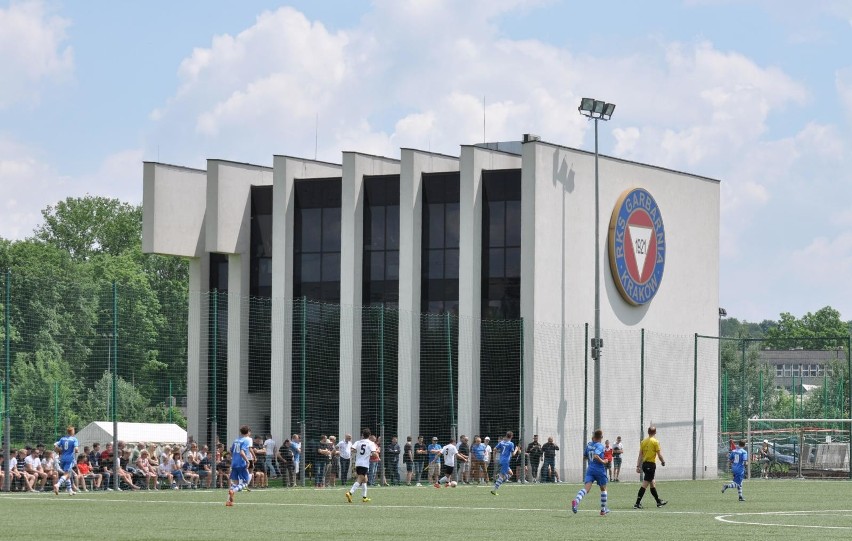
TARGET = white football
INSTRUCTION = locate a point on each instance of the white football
(453, 484)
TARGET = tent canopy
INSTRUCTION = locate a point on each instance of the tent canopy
(101, 431)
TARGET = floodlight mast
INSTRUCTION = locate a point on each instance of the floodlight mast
(597, 110)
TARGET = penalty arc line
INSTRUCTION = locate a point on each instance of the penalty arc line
(828, 512)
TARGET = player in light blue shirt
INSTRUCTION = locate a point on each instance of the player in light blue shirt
(66, 448)
(595, 472)
(240, 456)
(738, 459)
(504, 451)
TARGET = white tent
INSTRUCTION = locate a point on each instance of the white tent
(159, 433)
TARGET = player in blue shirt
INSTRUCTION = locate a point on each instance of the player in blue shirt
(595, 472)
(738, 459)
(240, 456)
(66, 448)
(504, 451)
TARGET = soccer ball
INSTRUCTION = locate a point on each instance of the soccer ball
(453, 484)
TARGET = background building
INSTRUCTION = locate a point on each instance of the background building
(440, 295)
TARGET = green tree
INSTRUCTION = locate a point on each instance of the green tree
(43, 396)
(809, 332)
(91, 225)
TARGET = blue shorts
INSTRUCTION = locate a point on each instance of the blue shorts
(504, 468)
(738, 477)
(593, 476)
(66, 465)
(240, 473)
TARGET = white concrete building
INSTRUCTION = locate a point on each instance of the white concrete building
(455, 247)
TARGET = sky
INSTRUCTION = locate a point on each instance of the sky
(755, 93)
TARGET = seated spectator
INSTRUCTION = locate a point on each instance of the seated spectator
(153, 455)
(125, 471)
(177, 471)
(204, 471)
(32, 464)
(146, 470)
(50, 467)
(259, 479)
(223, 467)
(84, 472)
(17, 469)
(97, 466)
(164, 473)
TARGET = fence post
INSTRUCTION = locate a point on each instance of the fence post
(7, 415)
(585, 388)
(523, 477)
(743, 409)
(382, 371)
(214, 432)
(760, 401)
(695, 408)
(453, 427)
(171, 408)
(641, 384)
(55, 411)
(115, 457)
(302, 420)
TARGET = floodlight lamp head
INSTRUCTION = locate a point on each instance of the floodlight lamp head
(608, 110)
(586, 105)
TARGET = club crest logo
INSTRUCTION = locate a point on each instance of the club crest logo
(637, 246)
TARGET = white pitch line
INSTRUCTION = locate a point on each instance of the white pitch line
(780, 514)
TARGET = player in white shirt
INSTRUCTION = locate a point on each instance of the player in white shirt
(363, 449)
(449, 452)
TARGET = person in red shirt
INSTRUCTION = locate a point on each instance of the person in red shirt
(608, 459)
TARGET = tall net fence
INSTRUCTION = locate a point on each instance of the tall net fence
(110, 351)
(796, 379)
(77, 355)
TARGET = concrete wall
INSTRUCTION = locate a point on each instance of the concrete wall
(286, 170)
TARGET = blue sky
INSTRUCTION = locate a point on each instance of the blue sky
(755, 93)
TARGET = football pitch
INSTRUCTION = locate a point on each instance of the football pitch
(774, 509)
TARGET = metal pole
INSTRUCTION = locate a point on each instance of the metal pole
(302, 398)
(115, 457)
(695, 409)
(382, 371)
(55, 411)
(171, 418)
(642, 384)
(597, 344)
(7, 430)
(521, 408)
(215, 416)
(450, 377)
(743, 409)
(586, 388)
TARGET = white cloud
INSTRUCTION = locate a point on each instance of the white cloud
(29, 184)
(843, 83)
(33, 51)
(826, 263)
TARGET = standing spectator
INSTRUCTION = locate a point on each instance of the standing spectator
(617, 451)
(296, 446)
(548, 472)
(392, 453)
(434, 460)
(67, 448)
(503, 452)
(408, 460)
(477, 459)
(595, 472)
(608, 458)
(488, 456)
(364, 451)
(240, 456)
(323, 459)
(334, 463)
(534, 453)
(463, 465)
(375, 458)
(421, 456)
(646, 464)
(288, 472)
(344, 453)
(764, 456)
(738, 459)
(269, 457)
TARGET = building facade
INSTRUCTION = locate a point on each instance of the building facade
(327, 287)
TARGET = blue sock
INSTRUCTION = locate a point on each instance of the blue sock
(603, 501)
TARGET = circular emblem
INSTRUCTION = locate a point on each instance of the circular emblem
(637, 246)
